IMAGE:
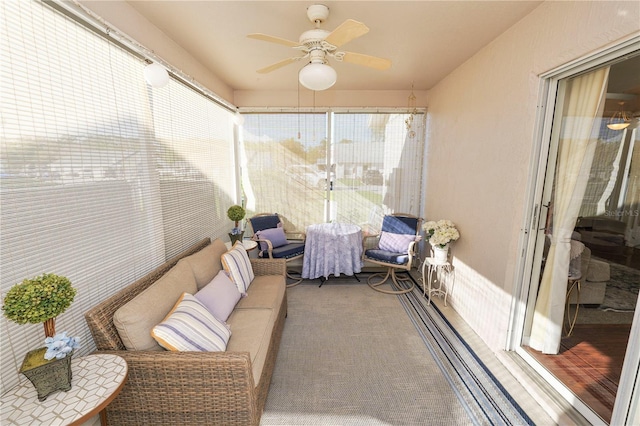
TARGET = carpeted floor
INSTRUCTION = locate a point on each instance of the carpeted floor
(351, 356)
(622, 288)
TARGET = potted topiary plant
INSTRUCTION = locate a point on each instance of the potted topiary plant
(41, 300)
(236, 213)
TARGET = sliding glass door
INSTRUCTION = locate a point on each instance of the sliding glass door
(585, 272)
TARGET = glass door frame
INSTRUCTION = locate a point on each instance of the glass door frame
(544, 153)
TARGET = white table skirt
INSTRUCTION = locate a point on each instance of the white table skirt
(332, 248)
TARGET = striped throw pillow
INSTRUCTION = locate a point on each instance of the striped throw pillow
(191, 327)
(236, 263)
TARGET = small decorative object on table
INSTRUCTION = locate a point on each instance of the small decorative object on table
(440, 234)
(41, 300)
(236, 213)
(49, 368)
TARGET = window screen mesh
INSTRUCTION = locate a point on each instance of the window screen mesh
(344, 167)
(102, 177)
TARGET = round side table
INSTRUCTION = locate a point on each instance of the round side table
(248, 245)
(97, 380)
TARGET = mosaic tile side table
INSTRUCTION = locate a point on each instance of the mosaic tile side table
(97, 380)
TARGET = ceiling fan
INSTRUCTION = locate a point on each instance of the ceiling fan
(318, 45)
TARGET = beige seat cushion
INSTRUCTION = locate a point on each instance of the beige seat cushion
(206, 263)
(251, 331)
(265, 291)
(135, 319)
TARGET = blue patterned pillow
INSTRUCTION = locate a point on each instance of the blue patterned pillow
(236, 263)
(191, 327)
(396, 243)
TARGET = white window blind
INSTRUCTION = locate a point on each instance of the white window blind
(280, 158)
(102, 177)
(378, 164)
(351, 167)
(194, 158)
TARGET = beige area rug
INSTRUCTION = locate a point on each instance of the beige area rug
(588, 315)
(351, 356)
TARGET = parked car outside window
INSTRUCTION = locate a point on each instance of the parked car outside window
(307, 175)
(373, 177)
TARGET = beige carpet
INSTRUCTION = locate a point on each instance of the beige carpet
(351, 356)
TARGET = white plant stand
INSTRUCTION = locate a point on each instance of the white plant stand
(438, 271)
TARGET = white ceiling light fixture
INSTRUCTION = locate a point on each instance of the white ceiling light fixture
(317, 75)
(156, 75)
(620, 120)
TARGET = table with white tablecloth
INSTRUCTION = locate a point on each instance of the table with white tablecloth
(332, 249)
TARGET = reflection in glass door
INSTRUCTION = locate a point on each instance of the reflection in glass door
(584, 287)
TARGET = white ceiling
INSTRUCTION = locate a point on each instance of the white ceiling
(425, 40)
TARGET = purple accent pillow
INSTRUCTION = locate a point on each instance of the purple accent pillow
(275, 235)
(219, 296)
(396, 243)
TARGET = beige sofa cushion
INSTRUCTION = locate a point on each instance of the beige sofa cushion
(135, 319)
(206, 263)
(251, 331)
(266, 291)
(598, 271)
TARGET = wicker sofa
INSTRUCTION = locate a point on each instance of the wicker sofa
(230, 387)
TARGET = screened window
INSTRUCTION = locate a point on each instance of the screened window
(102, 177)
(350, 167)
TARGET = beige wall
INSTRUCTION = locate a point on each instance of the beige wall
(481, 121)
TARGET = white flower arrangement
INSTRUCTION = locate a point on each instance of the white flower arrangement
(440, 233)
(60, 345)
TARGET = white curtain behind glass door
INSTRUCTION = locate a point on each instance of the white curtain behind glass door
(585, 100)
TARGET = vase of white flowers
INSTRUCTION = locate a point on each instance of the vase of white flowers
(440, 233)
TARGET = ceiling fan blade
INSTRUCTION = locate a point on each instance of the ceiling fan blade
(346, 32)
(277, 65)
(366, 60)
(273, 39)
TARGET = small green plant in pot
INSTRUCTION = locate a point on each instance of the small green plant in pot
(40, 300)
(236, 213)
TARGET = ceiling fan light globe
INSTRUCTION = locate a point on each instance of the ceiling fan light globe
(618, 126)
(156, 75)
(317, 76)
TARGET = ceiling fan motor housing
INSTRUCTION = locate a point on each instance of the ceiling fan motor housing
(317, 13)
(313, 36)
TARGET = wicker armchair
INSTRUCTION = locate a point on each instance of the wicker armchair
(291, 250)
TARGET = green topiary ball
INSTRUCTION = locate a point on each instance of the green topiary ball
(38, 299)
(236, 213)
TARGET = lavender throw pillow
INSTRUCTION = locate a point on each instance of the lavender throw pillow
(396, 243)
(275, 235)
(220, 296)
